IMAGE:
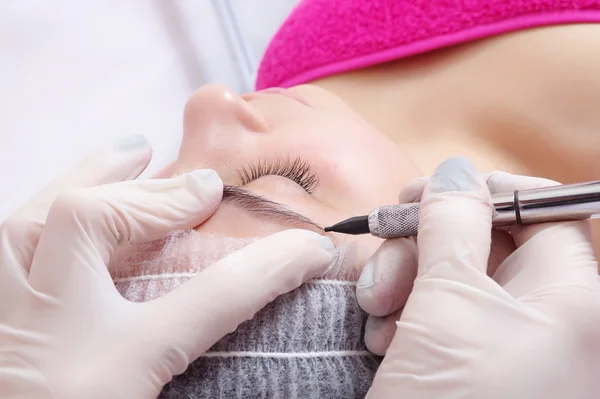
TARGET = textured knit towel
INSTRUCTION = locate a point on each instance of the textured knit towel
(306, 344)
(325, 37)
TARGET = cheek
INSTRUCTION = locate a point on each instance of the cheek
(375, 169)
(227, 162)
(166, 172)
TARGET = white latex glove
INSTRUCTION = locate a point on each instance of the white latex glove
(387, 278)
(65, 332)
(532, 330)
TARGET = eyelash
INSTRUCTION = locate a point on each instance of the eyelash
(296, 170)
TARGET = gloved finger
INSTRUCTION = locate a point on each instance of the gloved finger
(379, 332)
(555, 253)
(384, 287)
(413, 191)
(387, 278)
(19, 234)
(84, 227)
(455, 220)
(502, 244)
(231, 291)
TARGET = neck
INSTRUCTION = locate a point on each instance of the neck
(509, 103)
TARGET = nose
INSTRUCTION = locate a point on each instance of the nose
(218, 105)
(216, 121)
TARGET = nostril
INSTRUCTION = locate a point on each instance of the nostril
(254, 120)
(247, 96)
(219, 106)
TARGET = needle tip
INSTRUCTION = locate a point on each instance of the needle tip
(354, 225)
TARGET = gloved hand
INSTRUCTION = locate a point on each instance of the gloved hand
(387, 278)
(65, 332)
(532, 330)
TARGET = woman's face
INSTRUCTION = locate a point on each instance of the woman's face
(303, 148)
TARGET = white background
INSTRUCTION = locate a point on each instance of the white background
(77, 74)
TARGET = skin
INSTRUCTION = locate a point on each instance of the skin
(513, 103)
(358, 167)
(506, 104)
(227, 132)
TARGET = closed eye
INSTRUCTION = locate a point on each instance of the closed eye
(297, 170)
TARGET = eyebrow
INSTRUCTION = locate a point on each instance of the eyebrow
(264, 207)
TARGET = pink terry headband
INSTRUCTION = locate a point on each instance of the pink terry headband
(325, 37)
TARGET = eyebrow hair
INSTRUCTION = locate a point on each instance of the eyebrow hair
(261, 206)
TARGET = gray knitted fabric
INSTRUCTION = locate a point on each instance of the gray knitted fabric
(305, 344)
(317, 332)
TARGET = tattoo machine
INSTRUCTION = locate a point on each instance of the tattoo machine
(549, 204)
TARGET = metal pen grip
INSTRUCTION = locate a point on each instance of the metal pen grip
(548, 204)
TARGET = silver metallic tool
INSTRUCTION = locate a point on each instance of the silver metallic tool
(540, 205)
